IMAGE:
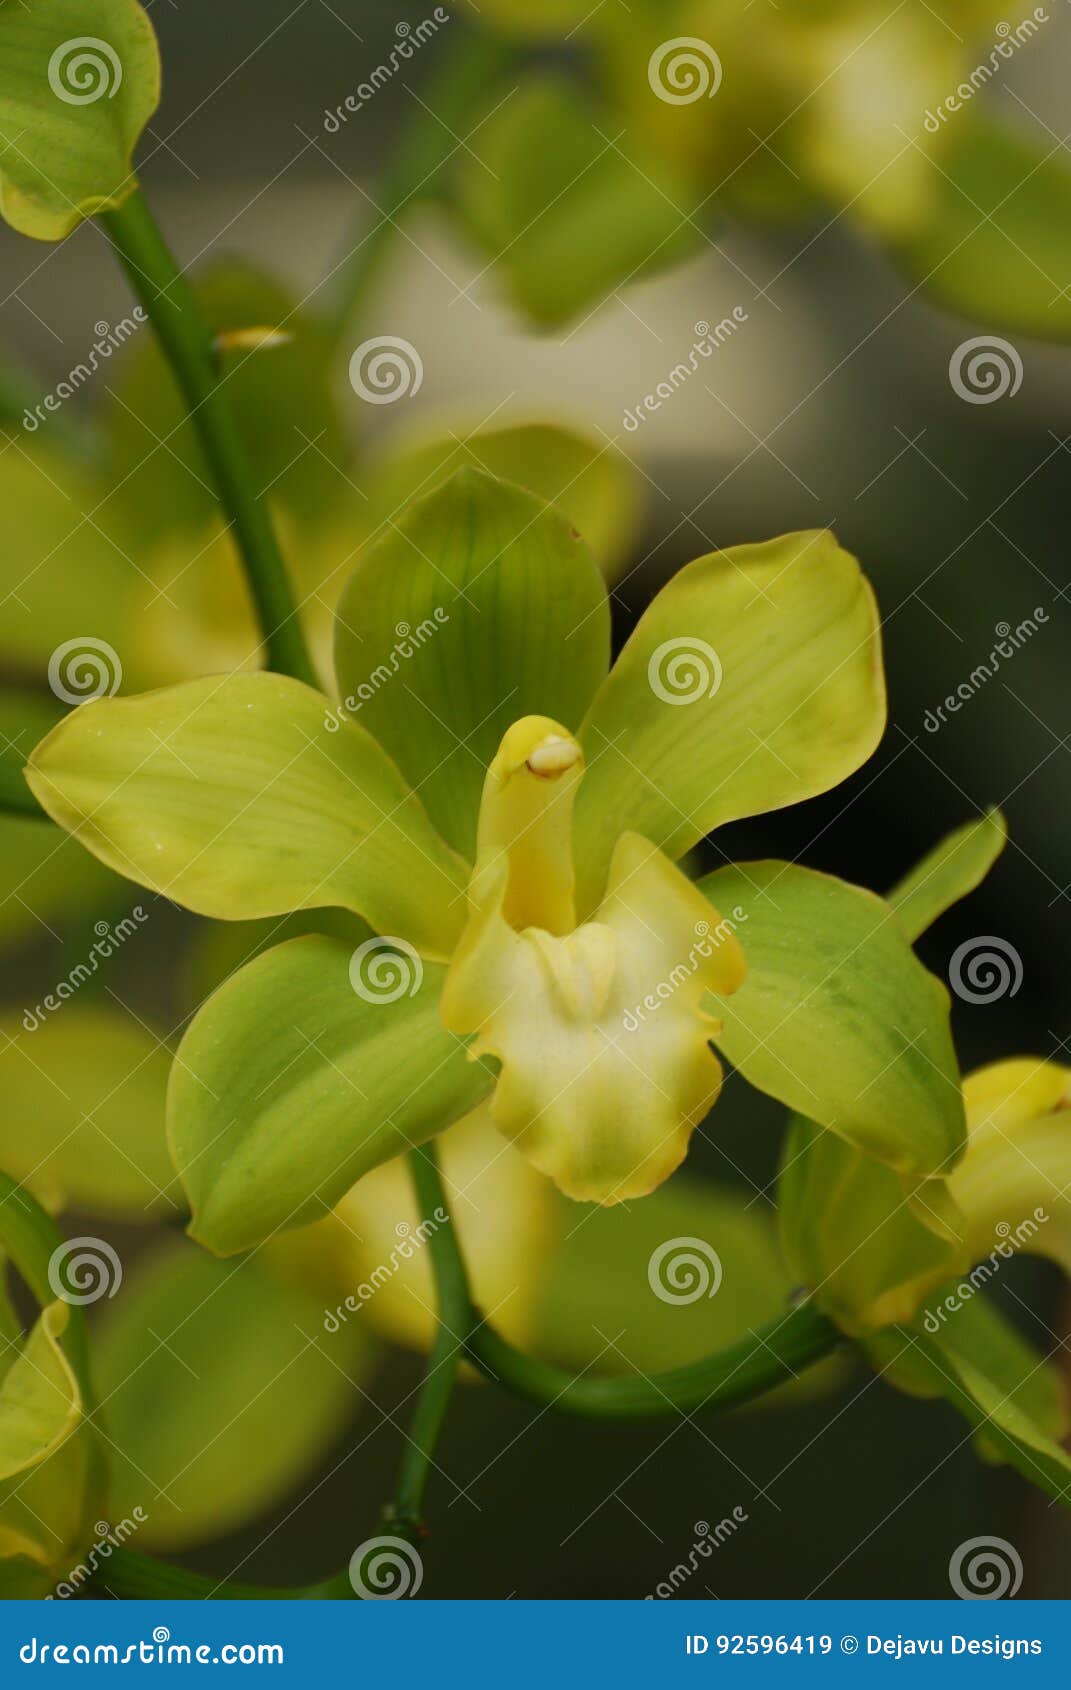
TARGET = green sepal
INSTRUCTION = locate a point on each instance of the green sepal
(996, 246)
(79, 80)
(565, 206)
(306, 1069)
(837, 1018)
(953, 869)
(478, 606)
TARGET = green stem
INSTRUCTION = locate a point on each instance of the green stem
(455, 1317)
(769, 1357)
(187, 343)
(758, 1363)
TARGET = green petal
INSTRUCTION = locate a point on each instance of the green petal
(852, 1235)
(506, 1218)
(590, 482)
(79, 80)
(997, 247)
(872, 1249)
(40, 1402)
(48, 1466)
(753, 680)
(1016, 1400)
(220, 1389)
(480, 606)
(564, 204)
(306, 1069)
(1014, 1184)
(83, 1121)
(231, 796)
(837, 1018)
(948, 873)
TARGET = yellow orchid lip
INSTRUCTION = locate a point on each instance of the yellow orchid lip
(602, 1101)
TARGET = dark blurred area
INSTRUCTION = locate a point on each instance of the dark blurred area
(832, 406)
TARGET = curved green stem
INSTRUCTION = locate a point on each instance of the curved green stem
(758, 1363)
(170, 305)
(767, 1358)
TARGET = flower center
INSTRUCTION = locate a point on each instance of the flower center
(600, 1028)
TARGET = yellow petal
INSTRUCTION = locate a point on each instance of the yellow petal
(376, 1249)
(1014, 1184)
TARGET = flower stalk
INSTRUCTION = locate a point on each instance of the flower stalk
(187, 343)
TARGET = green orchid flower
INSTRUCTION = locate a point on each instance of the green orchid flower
(911, 1286)
(509, 817)
(905, 1274)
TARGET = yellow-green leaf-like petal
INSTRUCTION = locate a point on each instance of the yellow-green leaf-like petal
(589, 480)
(49, 1467)
(851, 1234)
(876, 1251)
(233, 796)
(479, 606)
(305, 1070)
(375, 1244)
(566, 204)
(1015, 1399)
(954, 867)
(752, 681)
(838, 1019)
(995, 246)
(79, 80)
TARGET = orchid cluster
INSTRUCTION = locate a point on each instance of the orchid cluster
(454, 868)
